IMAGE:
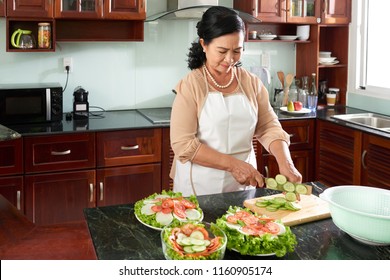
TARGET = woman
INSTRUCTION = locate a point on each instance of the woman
(218, 110)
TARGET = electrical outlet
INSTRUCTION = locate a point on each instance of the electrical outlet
(265, 60)
(68, 62)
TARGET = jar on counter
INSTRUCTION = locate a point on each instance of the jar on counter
(335, 91)
(44, 35)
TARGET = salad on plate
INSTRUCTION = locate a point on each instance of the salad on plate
(255, 235)
(159, 210)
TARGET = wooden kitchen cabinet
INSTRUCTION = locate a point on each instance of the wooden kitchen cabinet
(375, 164)
(348, 156)
(2, 8)
(53, 198)
(11, 171)
(30, 8)
(98, 9)
(336, 11)
(129, 165)
(121, 185)
(301, 148)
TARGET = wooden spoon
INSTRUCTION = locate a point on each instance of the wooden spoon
(289, 80)
(281, 77)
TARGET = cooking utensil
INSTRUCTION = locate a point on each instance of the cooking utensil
(281, 77)
(289, 80)
(313, 209)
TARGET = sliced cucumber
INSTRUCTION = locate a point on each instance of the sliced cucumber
(291, 196)
(199, 248)
(289, 187)
(164, 219)
(196, 241)
(281, 179)
(271, 208)
(188, 249)
(271, 183)
(147, 209)
(301, 189)
(185, 241)
(196, 234)
(279, 200)
(193, 214)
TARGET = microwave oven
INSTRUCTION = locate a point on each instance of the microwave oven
(30, 103)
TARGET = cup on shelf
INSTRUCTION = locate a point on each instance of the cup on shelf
(303, 32)
(331, 99)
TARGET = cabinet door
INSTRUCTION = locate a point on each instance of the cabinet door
(265, 10)
(124, 9)
(86, 9)
(338, 154)
(303, 11)
(336, 11)
(59, 197)
(376, 161)
(301, 133)
(2, 8)
(11, 157)
(12, 189)
(30, 8)
(121, 185)
(59, 152)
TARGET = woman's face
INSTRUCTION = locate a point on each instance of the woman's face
(224, 51)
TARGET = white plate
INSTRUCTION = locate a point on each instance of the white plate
(267, 37)
(303, 111)
(160, 229)
(287, 37)
(258, 255)
(330, 63)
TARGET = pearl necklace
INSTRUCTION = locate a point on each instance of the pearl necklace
(215, 82)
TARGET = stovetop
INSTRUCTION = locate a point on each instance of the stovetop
(157, 115)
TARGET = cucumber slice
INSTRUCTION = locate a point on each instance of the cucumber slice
(196, 234)
(185, 241)
(147, 209)
(271, 208)
(199, 248)
(279, 200)
(281, 179)
(188, 249)
(196, 241)
(289, 187)
(193, 214)
(164, 219)
(262, 203)
(290, 196)
(301, 189)
(271, 183)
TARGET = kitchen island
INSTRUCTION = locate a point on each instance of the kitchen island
(118, 235)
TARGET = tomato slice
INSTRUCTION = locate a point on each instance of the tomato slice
(188, 204)
(272, 227)
(250, 230)
(167, 203)
(166, 210)
(156, 208)
(179, 209)
(232, 219)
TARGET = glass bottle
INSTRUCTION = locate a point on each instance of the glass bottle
(293, 91)
(312, 98)
(303, 93)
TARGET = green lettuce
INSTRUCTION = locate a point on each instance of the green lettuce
(151, 219)
(251, 245)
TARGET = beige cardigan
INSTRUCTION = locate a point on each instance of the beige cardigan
(188, 104)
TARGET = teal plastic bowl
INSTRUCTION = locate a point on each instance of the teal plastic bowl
(360, 211)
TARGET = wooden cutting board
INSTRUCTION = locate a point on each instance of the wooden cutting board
(313, 209)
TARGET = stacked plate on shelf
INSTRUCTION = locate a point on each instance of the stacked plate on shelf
(326, 58)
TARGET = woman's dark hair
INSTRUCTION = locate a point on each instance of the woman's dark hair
(216, 21)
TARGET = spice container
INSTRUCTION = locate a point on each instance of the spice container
(44, 35)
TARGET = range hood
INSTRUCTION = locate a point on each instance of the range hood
(191, 9)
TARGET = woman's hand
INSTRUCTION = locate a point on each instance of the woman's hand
(290, 172)
(245, 173)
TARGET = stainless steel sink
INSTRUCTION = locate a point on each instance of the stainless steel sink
(367, 119)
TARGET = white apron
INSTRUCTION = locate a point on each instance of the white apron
(226, 124)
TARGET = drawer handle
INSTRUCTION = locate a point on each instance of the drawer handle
(18, 200)
(364, 159)
(101, 191)
(67, 152)
(129, 148)
(90, 192)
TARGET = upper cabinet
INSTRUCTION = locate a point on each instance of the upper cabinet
(98, 9)
(30, 8)
(2, 8)
(297, 11)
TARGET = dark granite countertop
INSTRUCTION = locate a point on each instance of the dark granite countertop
(157, 117)
(117, 234)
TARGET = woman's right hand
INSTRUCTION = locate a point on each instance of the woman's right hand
(245, 173)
